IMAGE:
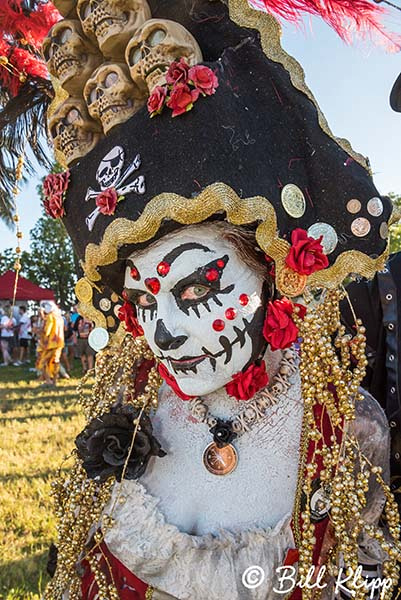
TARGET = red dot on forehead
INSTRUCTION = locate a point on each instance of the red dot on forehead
(244, 299)
(212, 274)
(163, 268)
(135, 273)
(218, 325)
(220, 263)
(153, 284)
(231, 313)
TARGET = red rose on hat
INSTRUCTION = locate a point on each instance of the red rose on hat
(306, 254)
(181, 99)
(127, 314)
(156, 100)
(106, 201)
(279, 329)
(203, 79)
(244, 385)
(177, 72)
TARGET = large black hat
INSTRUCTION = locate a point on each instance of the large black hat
(258, 152)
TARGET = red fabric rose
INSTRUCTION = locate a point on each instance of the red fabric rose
(56, 184)
(172, 382)
(203, 79)
(306, 254)
(106, 201)
(54, 207)
(177, 72)
(181, 99)
(279, 329)
(156, 100)
(127, 314)
(54, 187)
(245, 385)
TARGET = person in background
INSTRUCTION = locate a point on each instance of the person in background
(377, 303)
(7, 324)
(83, 327)
(51, 343)
(69, 343)
(24, 334)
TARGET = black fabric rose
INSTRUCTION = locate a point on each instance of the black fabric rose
(104, 445)
(223, 433)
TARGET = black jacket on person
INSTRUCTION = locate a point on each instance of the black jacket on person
(378, 304)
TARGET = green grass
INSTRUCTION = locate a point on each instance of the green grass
(37, 430)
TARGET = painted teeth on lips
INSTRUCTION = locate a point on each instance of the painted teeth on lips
(187, 360)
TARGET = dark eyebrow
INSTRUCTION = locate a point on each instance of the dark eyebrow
(174, 254)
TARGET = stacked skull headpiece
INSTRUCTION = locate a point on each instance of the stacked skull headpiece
(108, 55)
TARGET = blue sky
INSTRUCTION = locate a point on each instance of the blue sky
(351, 84)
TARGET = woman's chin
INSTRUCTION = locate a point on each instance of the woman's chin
(199, 386)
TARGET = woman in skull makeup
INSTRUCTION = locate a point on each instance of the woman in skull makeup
(226, 437)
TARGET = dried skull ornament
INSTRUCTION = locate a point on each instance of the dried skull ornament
(69, 55)
(72, 130)
(157, 44)
(111, 96)
(112, 23)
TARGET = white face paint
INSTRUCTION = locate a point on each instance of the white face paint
(205, 321)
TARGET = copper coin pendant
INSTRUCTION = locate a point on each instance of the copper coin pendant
(220, 461)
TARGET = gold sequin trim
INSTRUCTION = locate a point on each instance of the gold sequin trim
(59, 97)
(149, 593)
(220, 198)
(270, 32)
(216, 198)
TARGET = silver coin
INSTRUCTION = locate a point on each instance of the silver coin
(383, 230)
(353, 206)
(360, 227)
(375, 207)
(330, 239)
(105, 304)
(293, 200)
(98, 338)
(116, 309)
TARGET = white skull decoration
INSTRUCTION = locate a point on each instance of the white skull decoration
(154, 47)
(109, 170)
(69, 55)
(111, 96)
(73, 132)
(112, 23)
(66, 7)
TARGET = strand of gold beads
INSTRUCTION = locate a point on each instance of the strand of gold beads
(80, 501)
(16, 219)
(331, 382)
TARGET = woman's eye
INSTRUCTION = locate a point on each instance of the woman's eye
(145, 300)
(193, 292)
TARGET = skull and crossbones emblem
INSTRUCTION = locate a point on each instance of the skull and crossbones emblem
(110, 174)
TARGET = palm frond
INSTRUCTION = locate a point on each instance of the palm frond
(22, 125)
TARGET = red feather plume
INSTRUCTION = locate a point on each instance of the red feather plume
(22, 30)
(346, 17)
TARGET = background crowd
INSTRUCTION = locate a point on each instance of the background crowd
(47, 338)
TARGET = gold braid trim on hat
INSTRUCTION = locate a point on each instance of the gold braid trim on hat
(270, 32)
(220, 198)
